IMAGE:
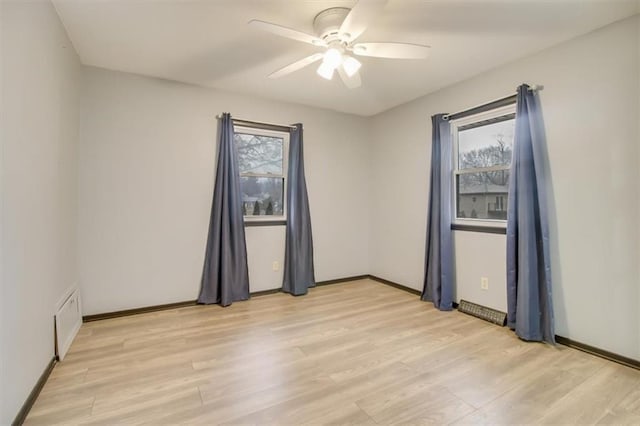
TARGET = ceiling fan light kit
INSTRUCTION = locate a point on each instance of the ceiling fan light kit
(351, 65)
(337, 28)
(332, 57)
(325, 70)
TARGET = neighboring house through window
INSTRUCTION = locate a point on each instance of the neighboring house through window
(262, 160)
(483, 144)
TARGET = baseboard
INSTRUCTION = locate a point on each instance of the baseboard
(136, 311)
(265, 292)
(629, 362)
(156, 308)
(342, 280)
(319, 283)
(396, 285)
(31, 399)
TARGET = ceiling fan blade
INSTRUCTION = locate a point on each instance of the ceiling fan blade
(352, 82)
(297, 65)
(358, 19)
(287, 32)
(392, 50)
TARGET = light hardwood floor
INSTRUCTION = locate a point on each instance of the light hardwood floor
(358, 352)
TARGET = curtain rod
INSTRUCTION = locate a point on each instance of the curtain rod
(489, 105)
(241, 121)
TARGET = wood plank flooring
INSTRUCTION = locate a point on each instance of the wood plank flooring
(352, 353)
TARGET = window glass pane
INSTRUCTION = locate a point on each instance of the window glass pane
(482, 195)
(259, 154)
(262, 196)
(486, 145)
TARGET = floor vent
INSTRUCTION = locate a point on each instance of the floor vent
(483, 312)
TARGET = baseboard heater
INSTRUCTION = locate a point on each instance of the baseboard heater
(67, 322)
(483, 312)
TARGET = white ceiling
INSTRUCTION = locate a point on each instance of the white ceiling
(208, 42)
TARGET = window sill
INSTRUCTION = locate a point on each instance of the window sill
(479, 228)
(276, 222)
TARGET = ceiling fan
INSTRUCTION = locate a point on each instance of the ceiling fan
(337, 29)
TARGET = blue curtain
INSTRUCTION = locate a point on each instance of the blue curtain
(298, 258)
(225, 277)
(438, 275)
(530, 308)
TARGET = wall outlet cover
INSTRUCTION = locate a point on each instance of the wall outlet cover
(484, 283)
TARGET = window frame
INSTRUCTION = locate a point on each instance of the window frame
(256, 131)
(455, 125)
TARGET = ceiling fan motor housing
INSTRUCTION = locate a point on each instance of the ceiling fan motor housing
(327, 23)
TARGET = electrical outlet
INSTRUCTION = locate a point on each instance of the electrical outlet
(484, 283)
(276, 266)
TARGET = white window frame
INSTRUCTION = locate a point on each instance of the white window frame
(247, 130)
(455, 125)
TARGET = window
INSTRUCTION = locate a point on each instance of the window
(262, 161)
(483, 144)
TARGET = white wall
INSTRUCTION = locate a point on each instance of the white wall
(477, 257)
(146, 165)
(147, 162)
(39, 97)
(265, 245)
(590, 105)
